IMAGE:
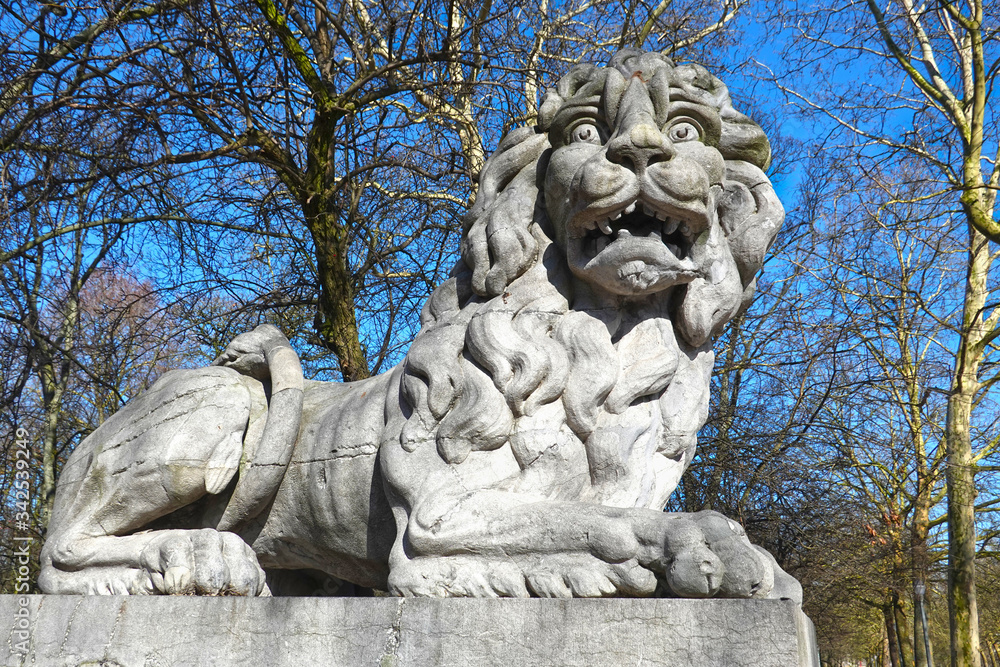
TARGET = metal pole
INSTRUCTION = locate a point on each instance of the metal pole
(919, 590)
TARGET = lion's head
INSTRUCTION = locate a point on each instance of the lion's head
(651, 181)
(607, 245)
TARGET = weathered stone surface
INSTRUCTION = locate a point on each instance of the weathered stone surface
(539, 423)
(69, 631)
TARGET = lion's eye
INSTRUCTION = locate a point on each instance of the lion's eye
(586, 133)
(684, 130)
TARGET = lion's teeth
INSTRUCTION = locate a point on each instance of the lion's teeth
(647, 210)
(617, 215)
(630, 208)
(605, 226)
(660, 216)
(670, 226)
(685, 230)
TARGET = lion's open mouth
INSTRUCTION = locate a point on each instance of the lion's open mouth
(639, 223)
(637, 249)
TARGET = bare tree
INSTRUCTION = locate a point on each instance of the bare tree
(921, 94)
(314, 116)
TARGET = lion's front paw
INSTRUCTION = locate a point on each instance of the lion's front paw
(748, 573)
(456, 576)
(203, 562)
(584, 576)
(549, 576)
(688, 565)
(705, 555)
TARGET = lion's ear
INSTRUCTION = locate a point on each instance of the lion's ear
(743, 139)
(498, 245)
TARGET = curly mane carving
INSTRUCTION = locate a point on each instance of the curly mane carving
(514, 336)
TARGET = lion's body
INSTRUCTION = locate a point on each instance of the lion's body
(542, 417)
(334, 484)
(330, 513)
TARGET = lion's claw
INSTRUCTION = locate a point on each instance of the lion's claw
(203, 562)
(177, 581)
(744, 572)
(589, 584)
(546, 584)
(695, 573)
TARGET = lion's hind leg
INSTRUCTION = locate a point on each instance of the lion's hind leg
(166, 449)
(172, 562)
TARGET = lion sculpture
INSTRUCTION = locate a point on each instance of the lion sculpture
(529, 441)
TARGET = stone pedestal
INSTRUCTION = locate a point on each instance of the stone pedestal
(69, 631)
(392, 632)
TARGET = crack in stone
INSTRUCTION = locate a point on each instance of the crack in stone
(388, 657)
(69, 624)
(114, 631)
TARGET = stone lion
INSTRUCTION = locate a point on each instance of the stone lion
(540, 421)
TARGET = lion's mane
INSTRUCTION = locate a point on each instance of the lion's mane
(501, 337)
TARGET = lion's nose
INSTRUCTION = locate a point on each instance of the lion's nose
(637, 141)
(640, 146)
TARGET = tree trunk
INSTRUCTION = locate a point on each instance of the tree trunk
(888, 613)
(919, 572)
(962, 608)
(52, 393)
(919, 528)
(902, 632)
(335, 323)
(53, 368)
(316, 188)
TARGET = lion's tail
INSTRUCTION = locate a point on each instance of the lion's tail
(259, 480)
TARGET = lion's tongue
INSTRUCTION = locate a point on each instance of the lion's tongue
(628, 248)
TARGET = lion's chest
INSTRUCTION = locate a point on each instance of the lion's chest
(622, 463)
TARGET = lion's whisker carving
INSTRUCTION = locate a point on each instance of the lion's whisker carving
(540, 421)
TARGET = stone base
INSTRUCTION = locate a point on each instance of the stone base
(395, 632)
